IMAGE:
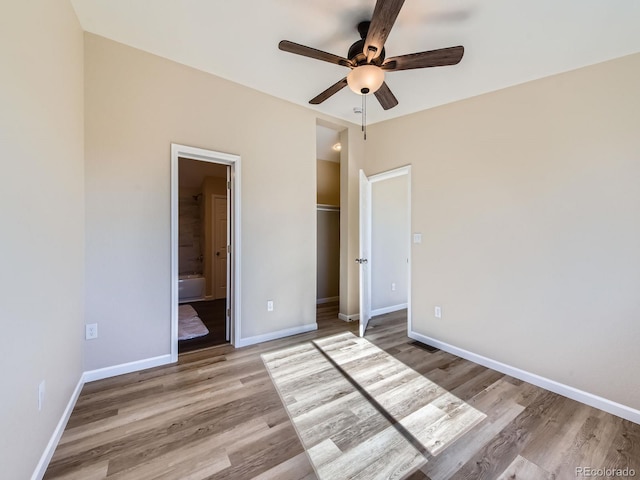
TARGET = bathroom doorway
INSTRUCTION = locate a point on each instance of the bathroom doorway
(203, 221)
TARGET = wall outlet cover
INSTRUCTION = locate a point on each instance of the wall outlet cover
(91, 331)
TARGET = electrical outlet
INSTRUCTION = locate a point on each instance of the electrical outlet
(91, 331)
(41, 395)
(438, 312)
(393, 287)
(270, 306)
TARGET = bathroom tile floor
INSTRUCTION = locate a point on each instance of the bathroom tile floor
(211, 312)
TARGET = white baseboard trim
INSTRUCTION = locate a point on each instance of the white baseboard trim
(100, 373)
(90, 376)
(320, 301)
(349, 318)
(244, 342)
(392, 308)
(41, 468)
(581, 396)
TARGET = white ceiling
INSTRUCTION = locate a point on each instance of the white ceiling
(506, 42)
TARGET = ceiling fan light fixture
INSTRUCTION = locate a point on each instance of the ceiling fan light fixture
(365, 79)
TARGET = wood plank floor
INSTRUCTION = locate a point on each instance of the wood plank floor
(217, 415)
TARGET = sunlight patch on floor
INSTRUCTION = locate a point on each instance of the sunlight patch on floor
(361, 412)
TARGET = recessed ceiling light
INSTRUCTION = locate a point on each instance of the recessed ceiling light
(337, 147)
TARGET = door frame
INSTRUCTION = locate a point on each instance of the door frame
(233, 220)
(364, 296)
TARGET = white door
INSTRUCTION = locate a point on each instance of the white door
(219, 246)
(365, 249)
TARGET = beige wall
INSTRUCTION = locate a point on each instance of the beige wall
(137, 104)
(529, 206)
(42, 213)
(328, 182)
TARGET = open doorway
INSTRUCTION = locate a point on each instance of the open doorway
(328, 150)
(205, 260)
(202, 254)
(385, 244)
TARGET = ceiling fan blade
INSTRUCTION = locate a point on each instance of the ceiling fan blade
(432, 58)
(333, 89)
(384, 16)
(386, 98)
(291, 47)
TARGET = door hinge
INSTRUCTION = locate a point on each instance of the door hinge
(228, 312)
(228, 185)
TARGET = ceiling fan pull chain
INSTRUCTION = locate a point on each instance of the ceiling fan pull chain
(364, 116)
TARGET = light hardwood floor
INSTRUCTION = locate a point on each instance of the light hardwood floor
(216, 414)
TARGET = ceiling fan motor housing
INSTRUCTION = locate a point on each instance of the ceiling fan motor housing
(356, 51)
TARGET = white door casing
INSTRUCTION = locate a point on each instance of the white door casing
(234, 303)
(231, 202)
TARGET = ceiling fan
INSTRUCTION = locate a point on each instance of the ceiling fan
(366, 57)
